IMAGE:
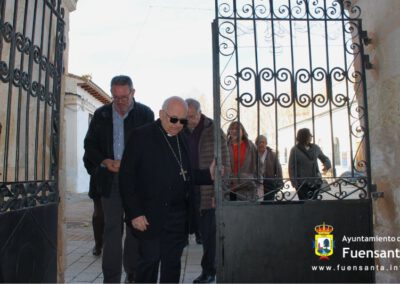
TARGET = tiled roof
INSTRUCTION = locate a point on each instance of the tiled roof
(89, 86)
(95, 91)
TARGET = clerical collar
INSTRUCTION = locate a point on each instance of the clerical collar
(163, 130)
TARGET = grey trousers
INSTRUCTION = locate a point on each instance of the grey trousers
(113, 253)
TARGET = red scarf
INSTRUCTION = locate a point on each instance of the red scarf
(236, 156)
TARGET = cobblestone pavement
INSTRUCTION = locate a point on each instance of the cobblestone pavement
(83, 267)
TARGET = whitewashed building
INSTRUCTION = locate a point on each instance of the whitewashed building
(82, 98)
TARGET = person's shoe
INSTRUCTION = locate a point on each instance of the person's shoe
(130, 278)
(204, 278)
(96, 251)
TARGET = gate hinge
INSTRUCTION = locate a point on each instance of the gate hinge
(375, 194)
(364, 37)
(367, 62)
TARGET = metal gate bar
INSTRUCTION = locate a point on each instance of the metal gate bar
(31, 44)
(31, 67)
(278, 66)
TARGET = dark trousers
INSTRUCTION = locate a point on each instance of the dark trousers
(113, 253)
(98, 222)
(197, 226)
(208, 233)
(166, 249)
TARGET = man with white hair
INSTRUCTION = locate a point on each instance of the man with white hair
(200, 136)
(156, 182)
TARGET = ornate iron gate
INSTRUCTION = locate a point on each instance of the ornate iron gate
(279, 66)
(31, 51)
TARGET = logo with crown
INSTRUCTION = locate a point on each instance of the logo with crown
(323, 244)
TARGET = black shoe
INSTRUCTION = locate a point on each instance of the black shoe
(130, 278)
(204, 278)
(96, 251)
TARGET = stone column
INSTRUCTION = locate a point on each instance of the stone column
(69, 6)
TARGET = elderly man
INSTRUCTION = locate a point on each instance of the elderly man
(156, 182)
(200, 136)
(104, 143)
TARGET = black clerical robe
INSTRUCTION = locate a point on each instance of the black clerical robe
(150, 179)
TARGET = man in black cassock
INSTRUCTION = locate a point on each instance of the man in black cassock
(156, 183)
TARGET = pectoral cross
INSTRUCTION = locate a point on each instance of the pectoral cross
(183, 173)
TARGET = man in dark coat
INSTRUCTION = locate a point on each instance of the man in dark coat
(156, 182)
(104, 143)
(200, 136)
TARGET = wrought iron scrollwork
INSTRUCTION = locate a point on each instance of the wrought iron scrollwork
(225, 10)
(4, 71)
(284, 75)
(329, 189)
(227, 45)
(23, 43)
(301, 60)
(294, 10)
(25, 46)
(31, 66)
(7, 32)
(18, 196)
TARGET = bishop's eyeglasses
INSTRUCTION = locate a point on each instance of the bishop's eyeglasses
(174, 119)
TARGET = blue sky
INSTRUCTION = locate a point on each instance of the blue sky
(165, 46)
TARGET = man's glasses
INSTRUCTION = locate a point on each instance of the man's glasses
(124, 98)
(174, 119)
(121, 99)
